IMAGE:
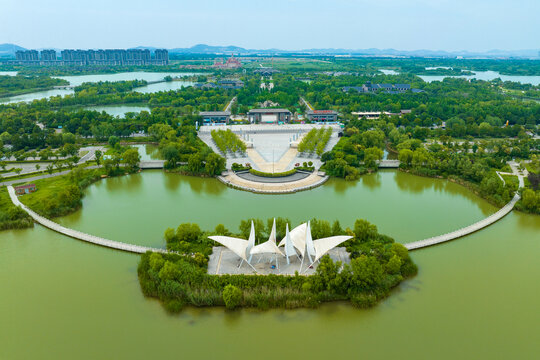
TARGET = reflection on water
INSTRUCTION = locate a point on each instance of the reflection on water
(371, 181)
(340, 186)
(132, 182)
(118, 110)
(148, 152)
(475, 286)
(487, 76)
(172, 183)
(419, 184)
(77, 80)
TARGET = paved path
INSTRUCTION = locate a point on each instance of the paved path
(80, 235)
(39, 177)
(230, 104)
(152, 164)
(312, 181)
(279, 166)
(308, 105)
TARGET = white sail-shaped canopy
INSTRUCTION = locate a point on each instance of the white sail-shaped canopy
(324, 245)
(251, 240)
(298, 238)
(289, 246)
(237, 246)
(240, 247)
(310, 248)
(269, 246)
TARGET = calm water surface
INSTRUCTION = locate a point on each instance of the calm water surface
(487, 76)
(148, 152)
(479, 75)
(135, 75)
(474, 298)
(118, 110)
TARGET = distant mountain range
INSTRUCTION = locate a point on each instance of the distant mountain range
(8, 50)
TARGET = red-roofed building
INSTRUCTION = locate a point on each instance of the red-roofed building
(25, 189)
(322, 115)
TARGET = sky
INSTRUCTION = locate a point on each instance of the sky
(451, 25)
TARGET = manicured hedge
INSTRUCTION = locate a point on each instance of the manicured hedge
(279, 174)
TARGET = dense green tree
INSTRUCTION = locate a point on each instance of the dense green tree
(215, 164)
(113, 141)
(364, 230)
(131, 158)
(232, 296)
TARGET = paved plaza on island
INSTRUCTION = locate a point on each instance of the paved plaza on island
(269, 145)
(224, 261)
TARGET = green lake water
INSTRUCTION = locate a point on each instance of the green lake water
(474, 298)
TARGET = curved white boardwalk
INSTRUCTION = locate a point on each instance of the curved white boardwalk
(77, 234)
(142, 249)
(466, 230)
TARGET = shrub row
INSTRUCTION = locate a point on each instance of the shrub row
(278, 174)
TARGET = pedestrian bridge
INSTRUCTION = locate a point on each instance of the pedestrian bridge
(138, 249)
(142, 249)
(389, 164)
(466, 230)
(152, 164)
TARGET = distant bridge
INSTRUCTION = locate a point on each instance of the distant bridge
(389, 164)
(152, 164)
(64, 87)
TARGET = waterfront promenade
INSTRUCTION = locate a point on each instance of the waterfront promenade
(310, 182)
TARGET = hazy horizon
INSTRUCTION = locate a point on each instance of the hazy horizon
(459, 25)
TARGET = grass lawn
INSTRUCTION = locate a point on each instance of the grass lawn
(511, 179)
(10, 216)
(530, 168)
(46, 190)
(42, 171)
(59, 195)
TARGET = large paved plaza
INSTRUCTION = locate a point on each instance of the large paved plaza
(271, 149)
(224, 261)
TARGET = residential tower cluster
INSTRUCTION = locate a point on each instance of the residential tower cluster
(93, 57)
